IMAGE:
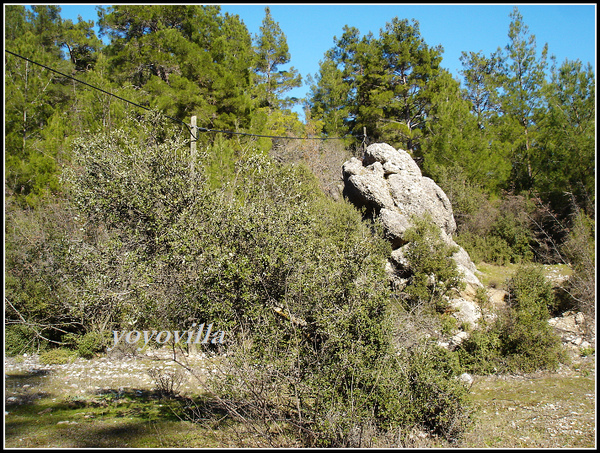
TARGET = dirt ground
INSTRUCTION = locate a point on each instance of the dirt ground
(539, 410)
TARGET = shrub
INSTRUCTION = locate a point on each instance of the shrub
(167, 381)
(497, 231)
(530, 293)
(296, 280)
(20, 339)
(580, 250)
(520, 338)
(434, 273)
(91, 344)
(57, 356)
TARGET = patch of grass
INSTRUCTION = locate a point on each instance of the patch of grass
(111, 419)
(57, 356)
(539, 411)
(495, 276)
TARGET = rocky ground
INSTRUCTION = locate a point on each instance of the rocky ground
(538, 410)
(24, 375)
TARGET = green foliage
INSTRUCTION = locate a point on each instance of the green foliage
(498, 231)
(580, 250)
(455, 146)
(91, 344)
(529, 293)
(21, 339)
(520, 338)
(296, 281)
(271, 52)
(568, 136)
(382, 84)
(433, 271)
(142, 241)
(57, 356)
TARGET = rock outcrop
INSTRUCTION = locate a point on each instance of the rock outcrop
(389, 185)
(575, 330)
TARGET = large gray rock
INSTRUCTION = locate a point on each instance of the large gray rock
(366, 186)
(390, 179)
(393, 161)
(389, 184)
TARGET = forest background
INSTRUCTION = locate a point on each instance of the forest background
(110, 222)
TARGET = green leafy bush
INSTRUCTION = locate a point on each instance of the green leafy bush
(20, 339)
(91, 344)
(434, 273)
(580, 250)
(57, 356)
(520, 338)
(295, 280)
(497, 231)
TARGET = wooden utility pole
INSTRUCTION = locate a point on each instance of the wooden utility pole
(194, 134)
(364, 140)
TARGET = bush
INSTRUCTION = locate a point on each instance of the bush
(434, 273)
(296, 281)
(520, 338)
(580, 250)
(20, 339)
(57, 356)
(167, 381)
(91, 344)
(497, 231)
(530, 293)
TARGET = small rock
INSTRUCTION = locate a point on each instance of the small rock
(466, 378)
(457, 339)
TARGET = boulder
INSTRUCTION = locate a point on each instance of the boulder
(390, 186)
(394, 161)
(366, 186)
(466, 311)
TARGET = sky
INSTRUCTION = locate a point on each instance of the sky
(569, 29)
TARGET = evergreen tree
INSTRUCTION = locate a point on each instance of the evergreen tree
(482, 85)
(410, 66)
(523, 77)
(189, 59)
(33, 94)
(386, 81)
(454, 140)
(565, 166)
(272, 52)
(82, 44)
(333, 92)
(329, 98)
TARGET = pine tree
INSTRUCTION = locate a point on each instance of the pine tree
(454, 140)
(410, 66)
(523, 76)
(565, 165)
(385, 80)
(33, 94)
(272, 51)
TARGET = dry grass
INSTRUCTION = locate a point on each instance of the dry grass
(89, 407)
(541, 410)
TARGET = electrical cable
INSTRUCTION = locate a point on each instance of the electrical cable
(189, 127)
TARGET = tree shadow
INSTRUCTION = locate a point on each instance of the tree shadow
(107, 418)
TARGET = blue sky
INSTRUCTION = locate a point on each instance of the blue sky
(569, 29)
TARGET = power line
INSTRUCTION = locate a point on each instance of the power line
(92, 86)
(203, 129)
(200, 129)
